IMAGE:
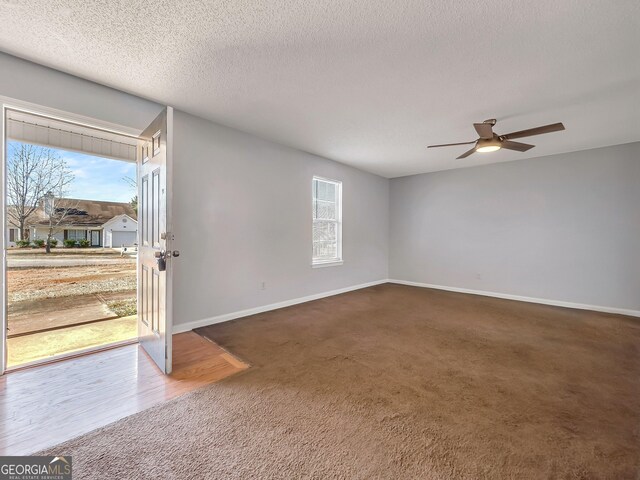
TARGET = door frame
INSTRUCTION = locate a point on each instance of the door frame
(7, 103)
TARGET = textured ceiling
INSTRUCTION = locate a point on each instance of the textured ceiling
(368, 83)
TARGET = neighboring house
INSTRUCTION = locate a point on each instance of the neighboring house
(13, 234)
(104, 224)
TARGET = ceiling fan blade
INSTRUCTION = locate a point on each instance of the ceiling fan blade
(530, 132)
(484, 130)
(450, 144)
(517, 146)
(467, 153)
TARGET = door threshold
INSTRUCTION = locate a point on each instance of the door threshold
(66, 356)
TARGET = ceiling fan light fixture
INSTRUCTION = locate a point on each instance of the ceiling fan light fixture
(488, 145)
(488, 148)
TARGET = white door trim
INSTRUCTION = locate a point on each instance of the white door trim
(170, 239)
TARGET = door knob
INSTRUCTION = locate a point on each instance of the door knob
(175, 253)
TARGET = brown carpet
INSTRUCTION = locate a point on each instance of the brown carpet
(397, 382)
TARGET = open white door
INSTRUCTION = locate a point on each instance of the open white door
(154, 244)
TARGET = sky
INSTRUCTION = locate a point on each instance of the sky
(98, 178)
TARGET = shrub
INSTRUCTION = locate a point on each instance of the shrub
(23, 243)
(84, 243)
(38, 242)
(53, 242)
(69, 243)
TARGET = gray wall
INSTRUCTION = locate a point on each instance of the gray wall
(564, 227)
(242, 215)
(29, 82)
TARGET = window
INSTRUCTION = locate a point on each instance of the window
(327, 222)
(75, 235)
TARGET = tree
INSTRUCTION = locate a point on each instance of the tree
(134, 203)
(56, 210)
(134, 200)
(32, 171)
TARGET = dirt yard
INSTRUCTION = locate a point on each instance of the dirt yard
(25, 284)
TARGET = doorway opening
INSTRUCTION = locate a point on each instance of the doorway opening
(71, 238)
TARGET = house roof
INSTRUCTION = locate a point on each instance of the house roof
(83, 213)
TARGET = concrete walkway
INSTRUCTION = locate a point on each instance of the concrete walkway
(40, 346)
(47, 313)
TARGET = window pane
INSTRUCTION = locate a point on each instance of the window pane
(326, 191)
(76, 234)
(324, 210)
(324, 231)
(325, 250)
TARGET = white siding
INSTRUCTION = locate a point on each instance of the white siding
(118, 239)
(41, 233)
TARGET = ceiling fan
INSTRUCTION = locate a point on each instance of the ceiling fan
(490, 141)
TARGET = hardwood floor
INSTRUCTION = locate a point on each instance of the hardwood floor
(46, 405)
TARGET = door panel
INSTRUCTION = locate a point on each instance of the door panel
(155, 220)
(154, 319)
(142, 205)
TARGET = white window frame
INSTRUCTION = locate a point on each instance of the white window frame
(338, 260)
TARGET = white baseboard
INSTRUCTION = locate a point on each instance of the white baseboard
(544, 301)
(185, 327)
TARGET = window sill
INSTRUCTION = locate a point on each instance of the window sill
(332, 263)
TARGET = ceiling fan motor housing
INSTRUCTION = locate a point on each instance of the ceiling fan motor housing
(488, 142)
